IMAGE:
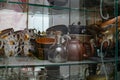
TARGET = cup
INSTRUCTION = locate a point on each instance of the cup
(12, 50)
(30, 33)
(3, 34)
(11, 45)
(20, 36)
(6, 32)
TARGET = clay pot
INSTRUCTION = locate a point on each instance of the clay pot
(42, 45)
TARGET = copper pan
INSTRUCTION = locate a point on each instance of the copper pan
(111, 21)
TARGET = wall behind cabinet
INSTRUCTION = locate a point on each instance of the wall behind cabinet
(12, 19)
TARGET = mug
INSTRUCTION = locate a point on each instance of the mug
(6, 32)
(30, 33)
(10, 39)
(20, 36)
(12, 50)
(11, 45)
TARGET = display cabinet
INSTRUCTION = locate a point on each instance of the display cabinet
(86, 34)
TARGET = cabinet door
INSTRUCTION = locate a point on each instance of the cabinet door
(98, 18)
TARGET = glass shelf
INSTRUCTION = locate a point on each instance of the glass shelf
(51, 7)
(33, 62)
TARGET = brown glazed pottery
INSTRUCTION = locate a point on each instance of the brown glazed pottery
(42, 44)
(78, 50)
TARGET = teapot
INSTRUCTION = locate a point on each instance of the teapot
(78, 50)
(74, 49)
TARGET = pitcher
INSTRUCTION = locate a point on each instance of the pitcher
(57, 52)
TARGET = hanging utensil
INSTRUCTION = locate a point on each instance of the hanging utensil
(101, 14)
